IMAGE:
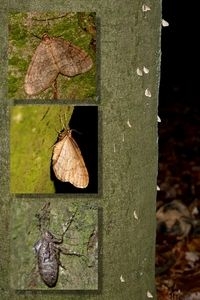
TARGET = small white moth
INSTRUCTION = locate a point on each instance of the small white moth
(129, 124)
(164, 23)
(135, 215)
(146, 70)
(158, 119)
(145, 8)
(139, 72)
(149, 295)
(67, 161)
(147, 93)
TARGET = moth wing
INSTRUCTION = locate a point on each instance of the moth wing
(70, 59)
(42, 70)
(68, 163)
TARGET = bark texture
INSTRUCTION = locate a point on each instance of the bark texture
(129, 38)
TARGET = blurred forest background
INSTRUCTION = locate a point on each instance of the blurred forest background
(178, 259)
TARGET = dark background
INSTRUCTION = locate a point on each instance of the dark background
(179, 151)
(180, 53)
(84, 125)
(179, 131)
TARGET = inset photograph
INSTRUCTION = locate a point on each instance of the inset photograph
(52, 56)
(54, 246)
(53, 149)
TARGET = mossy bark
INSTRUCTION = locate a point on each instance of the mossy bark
(25, 33)
(32, 136)
(75, 273)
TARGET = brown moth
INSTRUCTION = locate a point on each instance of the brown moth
(54, 56)
(67, 161)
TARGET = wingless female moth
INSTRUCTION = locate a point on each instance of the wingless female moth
(54, 56)
(48, 251)
(67, 161)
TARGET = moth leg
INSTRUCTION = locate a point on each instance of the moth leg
(66, 251)
(61, 265)
(63, 122)
(43, 217)
(56, 240)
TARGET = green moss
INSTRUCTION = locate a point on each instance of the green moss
(23, 29)
(32, 134)
(13, 83)
(25, 233)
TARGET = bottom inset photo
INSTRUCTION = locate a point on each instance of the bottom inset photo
(54, 245)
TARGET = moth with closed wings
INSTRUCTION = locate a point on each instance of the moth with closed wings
(67, 161)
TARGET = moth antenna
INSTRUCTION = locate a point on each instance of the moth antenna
(51, 146)
(57, 131)
(62, 123)
(65, 121)
(79, 132)
(68, 224)
(43, 216)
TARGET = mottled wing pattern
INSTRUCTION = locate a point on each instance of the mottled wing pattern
(70, 59)
(54, 56)
(68, 163)
(42, 70)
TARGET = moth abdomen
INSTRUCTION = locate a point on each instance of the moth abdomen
(48, 256)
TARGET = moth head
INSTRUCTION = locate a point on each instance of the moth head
(45, 37)
(63, 133)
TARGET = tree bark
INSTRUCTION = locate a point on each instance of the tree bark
(129, 40)
(34, 130)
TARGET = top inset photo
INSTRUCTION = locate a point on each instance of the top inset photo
(52, 56)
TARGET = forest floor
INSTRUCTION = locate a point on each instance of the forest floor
(178, 203)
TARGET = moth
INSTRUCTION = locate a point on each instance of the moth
(47, 250)
(54, 56)
(67, 161)
(48, 255)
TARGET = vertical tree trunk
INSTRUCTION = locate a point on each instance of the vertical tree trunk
(129, 40)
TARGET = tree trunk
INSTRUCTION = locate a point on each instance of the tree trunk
(128, 60)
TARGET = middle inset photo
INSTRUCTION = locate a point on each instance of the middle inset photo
(53, 149)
